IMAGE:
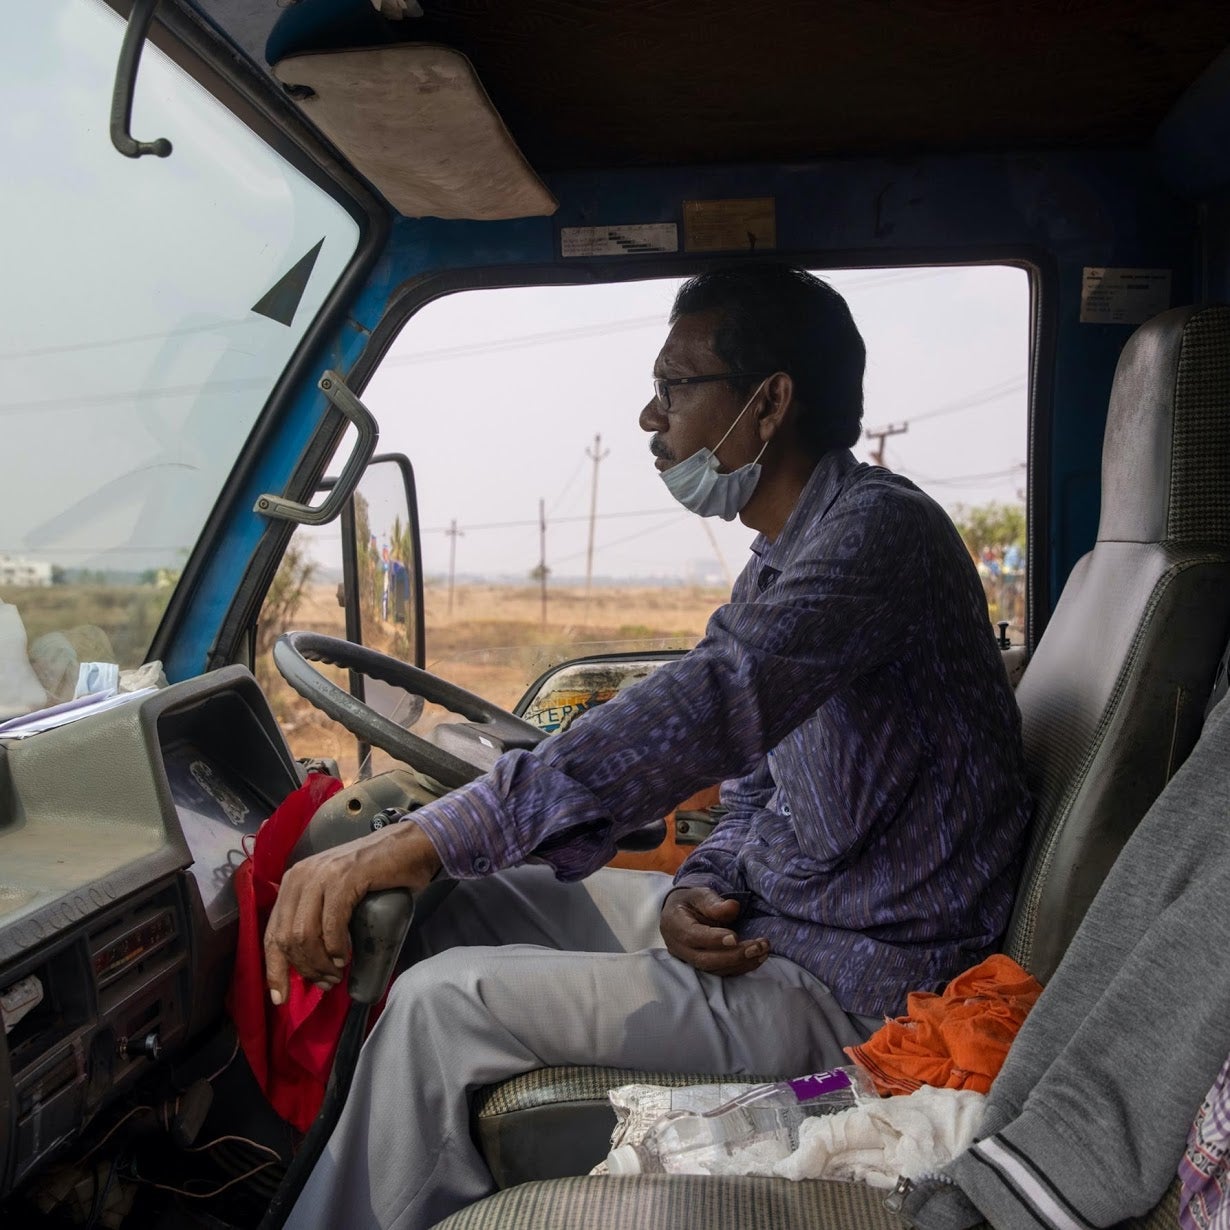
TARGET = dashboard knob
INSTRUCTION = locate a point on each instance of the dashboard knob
(149, 1046)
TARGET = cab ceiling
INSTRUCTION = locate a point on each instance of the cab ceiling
(628, 83)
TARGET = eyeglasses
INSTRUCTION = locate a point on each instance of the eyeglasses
(662, 385)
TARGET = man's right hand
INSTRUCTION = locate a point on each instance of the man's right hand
(308, 929)
(695, 923)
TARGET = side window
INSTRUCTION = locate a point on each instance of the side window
(548, 534)
(947, 397)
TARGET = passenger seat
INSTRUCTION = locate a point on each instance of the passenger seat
(1112, 704)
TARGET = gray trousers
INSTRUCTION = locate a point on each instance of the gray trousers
(521, 972)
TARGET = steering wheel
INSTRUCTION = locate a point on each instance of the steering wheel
(293, 653)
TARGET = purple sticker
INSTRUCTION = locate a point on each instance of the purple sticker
(806, 1088)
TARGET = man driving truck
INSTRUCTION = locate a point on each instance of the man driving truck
(849, 697)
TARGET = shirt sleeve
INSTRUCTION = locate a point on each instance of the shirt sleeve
(765, 664)
(715, 862)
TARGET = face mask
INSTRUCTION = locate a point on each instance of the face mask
(702, 488)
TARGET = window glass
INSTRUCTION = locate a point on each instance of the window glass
(520, 402)
(149, 308)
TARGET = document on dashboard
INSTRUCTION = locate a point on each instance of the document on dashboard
(70, 711)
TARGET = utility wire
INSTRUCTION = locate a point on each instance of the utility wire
(504, 525)
(653, 529)
(876, 279)
(884, 278)
(126, 396)
(499, 345)
(630, 324)
(981, 397)
(966, 480)
(559, 499)
(211, 326)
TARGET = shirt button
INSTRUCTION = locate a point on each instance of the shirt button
(482, 865)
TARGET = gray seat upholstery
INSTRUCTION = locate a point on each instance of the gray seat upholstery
(1113, 700)
(694, 1202)
(1112, 704)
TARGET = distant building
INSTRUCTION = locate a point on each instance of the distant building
(24, 572)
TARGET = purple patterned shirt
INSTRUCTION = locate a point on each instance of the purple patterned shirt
(1204, 1168)
(851, 698)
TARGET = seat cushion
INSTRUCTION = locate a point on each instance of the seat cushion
(698, 1202)
(558, 1121)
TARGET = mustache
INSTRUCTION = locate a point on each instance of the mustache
(658, 449)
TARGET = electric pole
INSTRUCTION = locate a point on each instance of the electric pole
(880, 434)
(717, 550)
(542, 555)
(597, 453)
(453, 533)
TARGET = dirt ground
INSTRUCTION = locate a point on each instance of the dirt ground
(495, 643)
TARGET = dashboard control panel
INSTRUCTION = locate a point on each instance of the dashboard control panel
(118, 949)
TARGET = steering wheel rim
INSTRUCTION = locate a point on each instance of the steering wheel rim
(294, 653)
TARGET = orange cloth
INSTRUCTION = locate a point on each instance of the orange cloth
(955, 1040)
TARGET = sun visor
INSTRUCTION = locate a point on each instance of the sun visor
(415, 119)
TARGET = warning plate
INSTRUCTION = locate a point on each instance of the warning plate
(1123, 296)
(746, 224)
(619, 240)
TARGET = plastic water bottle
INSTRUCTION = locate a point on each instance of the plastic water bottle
(746, 1135)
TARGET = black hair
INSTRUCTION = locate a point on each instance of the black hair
(776, 318)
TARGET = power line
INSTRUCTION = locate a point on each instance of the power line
(982, 397)
(127, 396)
(504, 525)
(887, 278)
(559, 499)
(599, 329)
(602, 329)
(958, 480)
(872, 282)
(40, 352)
(606, 546)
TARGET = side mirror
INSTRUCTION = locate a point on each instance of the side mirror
(368, 563)
(382, 575)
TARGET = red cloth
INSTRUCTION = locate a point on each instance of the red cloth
(290, 1047)
(957, 1040)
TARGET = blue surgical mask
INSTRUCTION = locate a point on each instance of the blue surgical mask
(700, 486)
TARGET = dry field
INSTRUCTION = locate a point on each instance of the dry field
(495, 643)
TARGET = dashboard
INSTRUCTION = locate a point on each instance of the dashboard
(119, 837)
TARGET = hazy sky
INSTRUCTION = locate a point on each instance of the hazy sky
(158, 366)
(497, 395)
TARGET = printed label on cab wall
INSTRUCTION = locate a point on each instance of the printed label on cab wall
(619, 240)
(1123, 296)
(748, 223)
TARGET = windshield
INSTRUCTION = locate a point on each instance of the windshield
(149, 308)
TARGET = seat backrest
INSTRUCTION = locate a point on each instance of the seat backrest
(1113, 699)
